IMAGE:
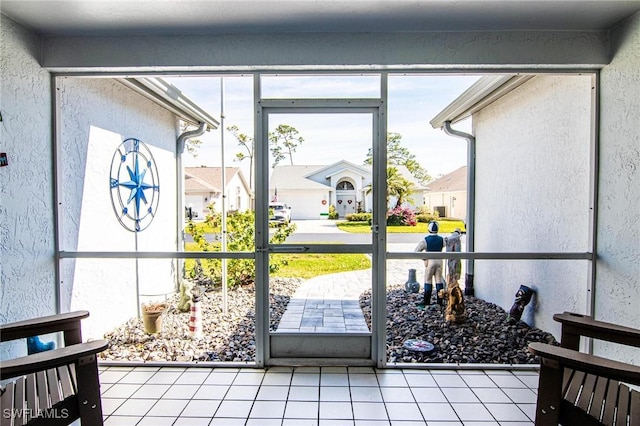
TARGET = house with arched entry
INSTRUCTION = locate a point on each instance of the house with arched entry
(310, 190)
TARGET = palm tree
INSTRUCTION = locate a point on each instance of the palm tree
(397, 186)
(402, 190)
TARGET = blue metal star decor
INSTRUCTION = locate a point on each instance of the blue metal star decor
(134, 183)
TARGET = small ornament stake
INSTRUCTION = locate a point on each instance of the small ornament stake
(195, 318)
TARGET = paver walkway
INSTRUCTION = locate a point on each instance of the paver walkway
(330, 303)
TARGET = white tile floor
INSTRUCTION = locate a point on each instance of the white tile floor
(333, 396)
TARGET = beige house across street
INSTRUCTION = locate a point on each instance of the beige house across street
(203, 187)
(448, 195)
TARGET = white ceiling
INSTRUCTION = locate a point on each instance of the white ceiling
(129, 17)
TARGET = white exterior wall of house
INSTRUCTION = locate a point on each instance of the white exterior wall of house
(97, 115)
(617, 293)
(198, 204)
(305, 204)
(27, 250)
(455, 202)
(91, 131)
(539, 136)
(237, 195)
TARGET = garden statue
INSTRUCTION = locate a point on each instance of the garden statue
(455, 311)
(184, 304)
(452, 243)
(523, 297)
(432, 267)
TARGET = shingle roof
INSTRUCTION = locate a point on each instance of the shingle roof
(294, 177)
(209, 179)
(454, 181)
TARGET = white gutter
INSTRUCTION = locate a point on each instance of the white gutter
(180, 144)
(483, 92)
(480, 94)
(170, 98)
(471, 200)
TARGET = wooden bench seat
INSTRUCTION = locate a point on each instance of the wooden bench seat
(581, 389)
(54, 387)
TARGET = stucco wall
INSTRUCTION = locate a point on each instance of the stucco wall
(27, 274)
(97, 115)
(532, 194)
(454, 208)
(618, 264)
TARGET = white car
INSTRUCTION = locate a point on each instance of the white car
(280, 213)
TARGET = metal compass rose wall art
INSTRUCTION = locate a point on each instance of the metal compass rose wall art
(135, 189)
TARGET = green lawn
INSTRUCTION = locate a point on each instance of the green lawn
(315, 264)
(206, 228)
(311, 265)
(308, 265)
(446, 227)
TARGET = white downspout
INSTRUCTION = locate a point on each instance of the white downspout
(471, 199)
(182, 139)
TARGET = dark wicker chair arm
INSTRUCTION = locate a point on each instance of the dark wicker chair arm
(69, 323)
(576, 325)
(50, 359)
(588, 363)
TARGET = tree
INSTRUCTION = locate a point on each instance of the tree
(247, 144)
(192, 145)
(397, 186)
(284, 141)
(398, 155)
(401, 189)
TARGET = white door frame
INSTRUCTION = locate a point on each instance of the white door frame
(329, 349)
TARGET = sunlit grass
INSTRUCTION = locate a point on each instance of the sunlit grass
(306, 265)
(315, 264)
(446, 227)
(205, 228)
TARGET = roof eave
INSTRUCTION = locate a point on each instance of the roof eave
(483, 92)
(171, 98)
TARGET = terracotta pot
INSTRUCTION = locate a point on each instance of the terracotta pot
(152, 317)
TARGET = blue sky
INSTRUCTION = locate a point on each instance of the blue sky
(413, 101)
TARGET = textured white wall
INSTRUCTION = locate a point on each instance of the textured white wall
(618, 265)
(27, 274)
(532, 194)
(96, 116)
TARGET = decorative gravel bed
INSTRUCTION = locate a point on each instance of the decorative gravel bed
(485, 337)
(226, 336)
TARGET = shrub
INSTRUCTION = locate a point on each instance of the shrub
(426, 218)
(358, 217)
(333, 214)
(240, 237)
(424, 214)
(401, 216)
